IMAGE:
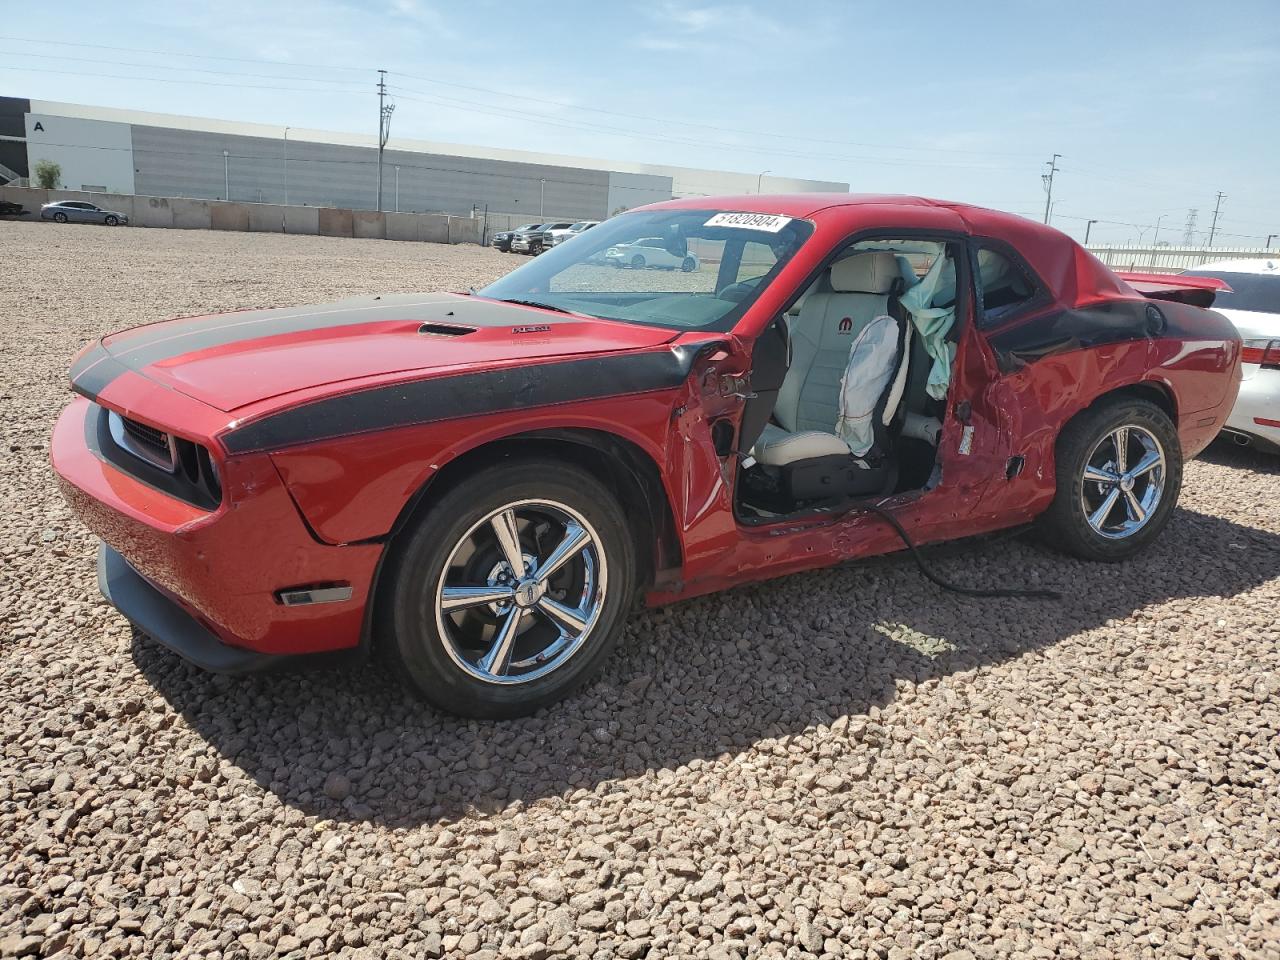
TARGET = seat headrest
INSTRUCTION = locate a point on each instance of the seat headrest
(872, 272)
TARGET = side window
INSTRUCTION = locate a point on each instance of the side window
(1004, 287)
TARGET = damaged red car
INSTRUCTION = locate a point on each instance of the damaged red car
(483, 483)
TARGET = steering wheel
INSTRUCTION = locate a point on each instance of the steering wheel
(737, 292)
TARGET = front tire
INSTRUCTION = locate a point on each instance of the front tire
(60, 218)
(688, 265)
(637, 262)
(511, 591)
(1119, 467)
(112, 221)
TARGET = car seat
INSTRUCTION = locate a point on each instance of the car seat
(849, 350)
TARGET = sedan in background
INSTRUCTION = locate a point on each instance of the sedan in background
(1253, 305)
(650, 252)
(503, 240)
(79, 211)
(560, 236)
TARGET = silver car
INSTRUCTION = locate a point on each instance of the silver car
(80, 211)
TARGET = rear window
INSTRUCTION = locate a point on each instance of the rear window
(1259, 292)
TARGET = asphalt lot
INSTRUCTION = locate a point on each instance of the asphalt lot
(843, 764)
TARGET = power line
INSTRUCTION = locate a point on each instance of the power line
(591, 127)
(161, 66)
(202, 83)
(178, 53)
(706, 126)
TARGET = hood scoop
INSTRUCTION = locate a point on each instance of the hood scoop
(445, 329)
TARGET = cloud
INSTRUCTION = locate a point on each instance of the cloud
(680, 28)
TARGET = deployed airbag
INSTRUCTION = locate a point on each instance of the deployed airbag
(873, 359)
(935, 322)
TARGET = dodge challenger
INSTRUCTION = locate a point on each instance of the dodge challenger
(481, 484)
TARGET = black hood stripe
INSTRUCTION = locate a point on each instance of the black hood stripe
(466, 395)
(165, 341)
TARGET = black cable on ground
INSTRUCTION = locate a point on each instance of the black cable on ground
(1030, 594)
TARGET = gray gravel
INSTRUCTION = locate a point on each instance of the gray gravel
(843, 764)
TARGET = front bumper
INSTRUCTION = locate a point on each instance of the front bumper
(166, 622)
(223, 568)
(1256, 413)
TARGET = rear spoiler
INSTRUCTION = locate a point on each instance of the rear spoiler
(1197, 291)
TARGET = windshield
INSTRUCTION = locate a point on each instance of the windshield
(1259, 292)
(679, 269)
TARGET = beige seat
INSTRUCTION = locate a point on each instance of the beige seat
(828, 325)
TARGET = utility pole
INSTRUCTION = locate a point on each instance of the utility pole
(1047, 178)
(1270, 237)
(384, 126)
(1156, 236)
(226, 174)
(286, 166)
(1213, 227)
(397, 188)
(760, 179)
(542, 195)
(1189, 232)
(1087, 227)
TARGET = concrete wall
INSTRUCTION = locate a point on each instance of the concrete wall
(369, 225)
(266, 217)
(180, 212)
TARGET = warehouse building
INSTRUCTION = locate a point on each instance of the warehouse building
(104, 149)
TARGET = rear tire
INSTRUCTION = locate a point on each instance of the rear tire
(60, 218)
(637, 262)
(1119, 467)
(526, 643)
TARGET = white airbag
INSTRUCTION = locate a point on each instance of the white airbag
(872, 362)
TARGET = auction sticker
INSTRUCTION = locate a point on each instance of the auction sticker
(767, 222)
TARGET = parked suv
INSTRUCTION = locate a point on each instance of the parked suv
(559, 236)
(503, 240)
(81, 212)
(535, 241)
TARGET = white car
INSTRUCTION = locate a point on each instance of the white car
(649, 252)
(560, 236)
(1254, 307)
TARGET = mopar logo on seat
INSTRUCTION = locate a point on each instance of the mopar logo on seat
(846, 325)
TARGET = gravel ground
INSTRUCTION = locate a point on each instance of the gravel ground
(842, 764)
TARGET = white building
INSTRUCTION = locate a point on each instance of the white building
(105, 149)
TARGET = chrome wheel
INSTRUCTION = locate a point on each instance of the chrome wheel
(521, 592)
(1123, 482)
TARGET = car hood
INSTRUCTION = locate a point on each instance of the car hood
(231, 360)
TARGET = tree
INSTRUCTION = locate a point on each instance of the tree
(48, 174)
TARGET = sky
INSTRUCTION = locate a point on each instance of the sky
(1155, 107)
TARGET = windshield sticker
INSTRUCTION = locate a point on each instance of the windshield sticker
(767, 222)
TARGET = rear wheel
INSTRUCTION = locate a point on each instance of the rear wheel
(511, 591)
(1119, 469)
(60, 217)
(637, 262)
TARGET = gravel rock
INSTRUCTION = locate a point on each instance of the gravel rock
(848, 763)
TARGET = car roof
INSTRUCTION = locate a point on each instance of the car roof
(1260, 265)
(1075, 276)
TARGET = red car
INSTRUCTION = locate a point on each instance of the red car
(481, 483)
